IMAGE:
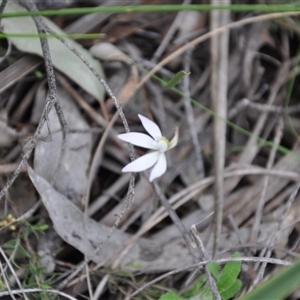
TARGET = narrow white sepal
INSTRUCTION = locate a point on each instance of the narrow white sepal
(174, 140)
(138, 139)
(142, 163)
(160, 167)
(150, 127)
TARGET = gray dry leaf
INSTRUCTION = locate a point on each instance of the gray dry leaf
(68, 221)
(192, 21)
(63, 59)
(71, 179)
(109, 52)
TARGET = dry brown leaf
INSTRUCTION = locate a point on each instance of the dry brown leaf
(109, 52)
(71, 178)
(63, 59)
(85, 235)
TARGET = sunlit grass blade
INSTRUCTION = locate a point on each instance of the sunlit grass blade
(176, 78)
(279, 286)
(48, 35)
(157, 8)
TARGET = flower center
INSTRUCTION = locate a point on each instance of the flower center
(162, 144)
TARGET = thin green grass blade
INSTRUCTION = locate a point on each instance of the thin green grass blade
(48, 35)
(278, 287)
(157, 8)
(176, 78)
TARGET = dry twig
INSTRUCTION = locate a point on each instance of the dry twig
(260, 206)
(219, 81)
(190, 114)
(211, 280)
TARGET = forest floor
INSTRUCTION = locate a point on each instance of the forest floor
(73, 224)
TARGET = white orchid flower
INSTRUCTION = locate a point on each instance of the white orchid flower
(158, 143)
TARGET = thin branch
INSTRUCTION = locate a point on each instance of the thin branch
(51, 101)
(236, 230)
(219, 82)
(193, 190)
(97, 156)
(269, 108)
(261, 203)
(252, 145)
(31, 146)
(101, 80)
(167, 38)
(174, 217)
(130, 193)
(190, 114)
(211, 280)
(210, 34)
(52, 97)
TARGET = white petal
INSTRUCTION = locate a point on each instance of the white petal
(174, 140)
(142, 163)
(160, 167)
(139, 139)
(150, 127)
